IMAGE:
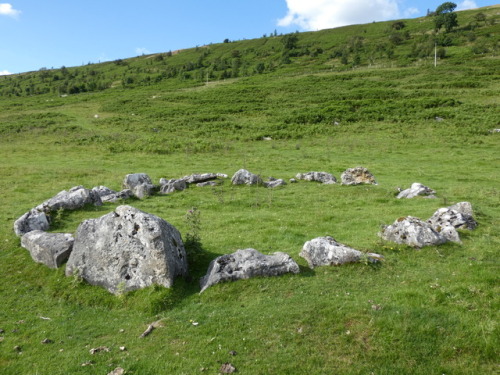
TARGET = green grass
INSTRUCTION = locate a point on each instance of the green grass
(428, 311)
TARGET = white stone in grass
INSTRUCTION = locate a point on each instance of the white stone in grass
(417, 189)
(244, 177)
(247, 263)
(413, 232)
(326, 251)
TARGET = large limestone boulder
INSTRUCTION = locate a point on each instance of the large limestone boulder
(323, 177)
(414, 232)
(244, 177)
(325, 251)
(127, 249)
(247, 263)
(139, 183)
(73, 199)
(415, 190)
(357, 176)
(51, 249)
(31, 220)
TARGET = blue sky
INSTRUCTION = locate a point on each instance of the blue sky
(55, 33)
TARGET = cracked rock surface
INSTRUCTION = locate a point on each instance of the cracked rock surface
(127, 249)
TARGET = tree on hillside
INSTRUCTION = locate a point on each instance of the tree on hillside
(290, 41)
(445, 17)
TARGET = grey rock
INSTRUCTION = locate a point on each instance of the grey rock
(245, 177)
(274, 182)
(465, 208)
(449, 232)
(103, 191)
(73, 199)
(197, 178)
(357, 176)
(247, 263)
(143, 190)
(51, 249)
(31, 220)
(127, 249)
(495, 131)
(325, 251)
(173, 185)
(132, 180)
(413, 232)
(323, 177)
(207, 183)
(415, 190)
(447, 216)
(121, 195)
(293, 181)
(109, 195)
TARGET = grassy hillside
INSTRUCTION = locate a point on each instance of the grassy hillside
(338, 99)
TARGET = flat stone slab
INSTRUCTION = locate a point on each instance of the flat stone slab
(247, 263)
(417, 189)
(75, 198)
(323, 177)
(326, 251)
(51, 249)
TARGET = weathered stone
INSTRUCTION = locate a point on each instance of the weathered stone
(413, 232)
(449, 232)
(245, 177)
(274, 182)
(173, 185)
(132, 180)
(247, 263)
(207, 183)
(325, 251)
(73, 199)
(143, 190)
(31, 220)
(127, 249)
(197, 178)
(417, 189)
(323, 177)
(446, 216)
(103, 191)
(51, 249)
(465, 208)
(357, 176)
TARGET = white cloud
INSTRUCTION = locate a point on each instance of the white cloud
(4, 73)
(7, 10)
(324, 14)
(467, 4)
(410, 12)
(142, 51)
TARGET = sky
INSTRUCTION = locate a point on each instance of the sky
(37, 34)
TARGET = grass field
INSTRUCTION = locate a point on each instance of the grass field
(427, 311)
